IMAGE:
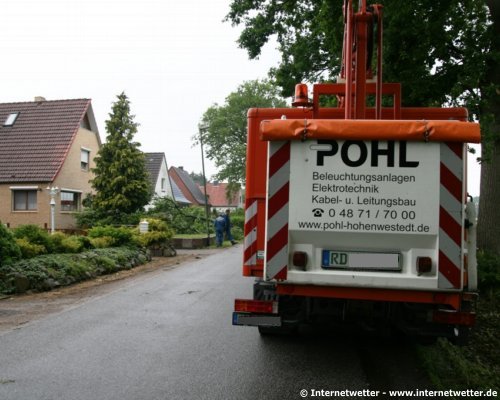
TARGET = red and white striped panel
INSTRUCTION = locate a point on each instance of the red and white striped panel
(450, 216)
(277, 211)
(250, 252)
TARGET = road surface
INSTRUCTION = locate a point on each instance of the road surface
(168, 335)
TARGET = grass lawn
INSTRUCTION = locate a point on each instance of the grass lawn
(192, 236)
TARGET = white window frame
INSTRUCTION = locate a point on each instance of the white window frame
(11, 119)
(85, 159)
(78, 194)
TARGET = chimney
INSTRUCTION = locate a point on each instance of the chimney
(39, 99)
(181, 168)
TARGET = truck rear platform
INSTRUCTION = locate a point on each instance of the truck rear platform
(359, 214)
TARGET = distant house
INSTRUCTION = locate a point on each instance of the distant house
(156, 164)
(45, 144)
(187, 186)
(179, 196)
(218, 199)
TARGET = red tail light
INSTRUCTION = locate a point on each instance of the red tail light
(300, 259)
(256, 306)
(424, 265)
(454, 317)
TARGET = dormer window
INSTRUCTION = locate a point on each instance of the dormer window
(11, 119)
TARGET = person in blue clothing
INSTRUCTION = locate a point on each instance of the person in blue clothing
(220, 227)
(227, 220)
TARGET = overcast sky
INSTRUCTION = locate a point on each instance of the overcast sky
(173, 59)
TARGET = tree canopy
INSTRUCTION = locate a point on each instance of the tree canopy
(224, 127)
(197, 177)
(121, 179)
(443, 53)
(434, 48)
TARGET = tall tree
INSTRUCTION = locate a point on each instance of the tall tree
(121, 179)
(225, 128)
(197, 177)
(443, 52)
(489, 108)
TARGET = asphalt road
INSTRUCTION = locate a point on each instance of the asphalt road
(169, 336)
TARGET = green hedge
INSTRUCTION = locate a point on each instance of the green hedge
(50, 271)
(238, 223)
(33, 235)
(121, 236)
(488, 273)
(9, 249)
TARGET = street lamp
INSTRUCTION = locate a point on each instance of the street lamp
(203, 128)
(52, 192)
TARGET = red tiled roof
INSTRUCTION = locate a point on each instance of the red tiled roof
(34, 148)
(217, 195)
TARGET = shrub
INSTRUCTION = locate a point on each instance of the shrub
(87, 219)
(488, 272)
(28, 249)
(49, 271)
(85, 242)
(121, 236)
(102, 242)
(153, 238)
(57, 239)
(184, 220)
(190, 220)
(238, 218)
(34, 241)
(237, 233)
(157, 239)
(106, 264)
(34, 235)
(9, 249)
(72, 244)
(157, 225)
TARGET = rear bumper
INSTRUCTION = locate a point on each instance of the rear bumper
(248, 319)
(452, 299)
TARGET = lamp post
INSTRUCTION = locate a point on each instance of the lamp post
(202, 128)
(52, 192)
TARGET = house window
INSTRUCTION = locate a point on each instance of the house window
(11, 119)
(25, 200)
(162, 184)
(70, 201)
(84, 159)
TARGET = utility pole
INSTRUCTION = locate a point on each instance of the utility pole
(203, 128)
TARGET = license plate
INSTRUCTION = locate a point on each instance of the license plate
(256, 320)
(361, 260)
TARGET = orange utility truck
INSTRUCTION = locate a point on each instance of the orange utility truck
(359, 213)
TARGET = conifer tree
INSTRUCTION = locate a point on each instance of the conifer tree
(121, 179)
